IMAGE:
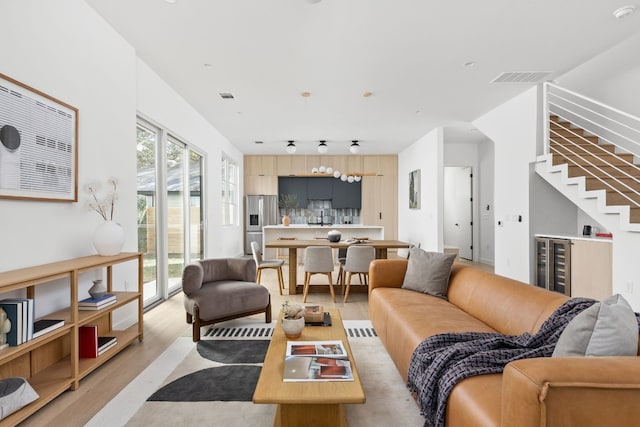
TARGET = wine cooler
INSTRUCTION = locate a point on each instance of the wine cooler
(553, 264)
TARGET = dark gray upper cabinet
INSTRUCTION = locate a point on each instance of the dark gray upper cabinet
(295, 186)
(343, 195)
(320, 188)
(346, 195)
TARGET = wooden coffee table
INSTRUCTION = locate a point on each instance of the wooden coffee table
(310, 403)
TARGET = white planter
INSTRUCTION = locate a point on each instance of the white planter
(108, 238)
(293, 328)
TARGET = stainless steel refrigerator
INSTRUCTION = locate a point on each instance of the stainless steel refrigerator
(259, 211)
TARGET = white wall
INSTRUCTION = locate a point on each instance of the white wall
(64, 49)
(423, 225)
(613, 77)
(158, 102)
(513, 128)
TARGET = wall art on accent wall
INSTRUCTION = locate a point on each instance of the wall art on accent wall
(38, 144)
(414, 189)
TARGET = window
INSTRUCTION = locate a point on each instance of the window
(229, 191)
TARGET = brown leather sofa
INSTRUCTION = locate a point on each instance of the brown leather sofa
(578, 391)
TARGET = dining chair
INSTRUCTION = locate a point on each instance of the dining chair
(357, 262)
(318, 260)
(262, 264)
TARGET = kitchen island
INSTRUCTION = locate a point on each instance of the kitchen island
(308, 232)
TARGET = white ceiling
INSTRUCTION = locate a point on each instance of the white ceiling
(409, 54)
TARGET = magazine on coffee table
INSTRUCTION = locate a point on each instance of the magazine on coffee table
(316, 348)
(316, 361)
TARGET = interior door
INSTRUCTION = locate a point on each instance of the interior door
(458, 219)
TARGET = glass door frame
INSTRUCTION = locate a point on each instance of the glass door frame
(163, 136)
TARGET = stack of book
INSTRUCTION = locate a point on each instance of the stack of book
(314, 315)
(20, 313)
(42, 326)
(92, 345)
(97, 303)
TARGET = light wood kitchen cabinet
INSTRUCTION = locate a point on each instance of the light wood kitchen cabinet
(380, 203)
(591, 269)
(260, 175)
(291, 165)
(260, 165)
(260, 184)
(380, 194)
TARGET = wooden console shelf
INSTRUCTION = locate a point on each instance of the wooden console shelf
(51, 362)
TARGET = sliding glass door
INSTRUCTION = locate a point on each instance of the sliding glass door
(147, 142)
(170, 209)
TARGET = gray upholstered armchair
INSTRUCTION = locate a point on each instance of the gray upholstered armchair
(222, 289)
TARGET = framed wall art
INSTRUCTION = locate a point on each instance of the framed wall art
(38, 144)
(414, 189)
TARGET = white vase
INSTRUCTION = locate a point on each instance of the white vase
(108, 238)
(293, 328)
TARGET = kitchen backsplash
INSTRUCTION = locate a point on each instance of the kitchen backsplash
(318, 211)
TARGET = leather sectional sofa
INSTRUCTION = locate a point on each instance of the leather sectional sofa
(553, 391)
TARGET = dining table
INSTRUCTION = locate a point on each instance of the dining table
(381, 247)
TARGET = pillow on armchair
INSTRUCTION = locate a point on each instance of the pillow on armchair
(428, 272)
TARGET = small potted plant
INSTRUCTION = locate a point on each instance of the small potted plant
(292, 320)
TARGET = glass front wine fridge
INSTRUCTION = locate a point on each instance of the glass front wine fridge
(553, 264)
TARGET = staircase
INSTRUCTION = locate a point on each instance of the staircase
(604, 177)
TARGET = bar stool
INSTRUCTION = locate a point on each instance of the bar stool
(358, 260)
(268, 263)
(283, 256)
(318, 260)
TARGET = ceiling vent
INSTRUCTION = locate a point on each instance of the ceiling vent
(522, 77)
(226, 95)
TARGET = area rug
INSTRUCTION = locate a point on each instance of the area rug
(212, 384)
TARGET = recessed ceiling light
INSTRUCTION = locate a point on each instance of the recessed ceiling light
(207, 65)
(171, 1)
(470, 64)
(226, 95)
(367, 94)
(306, 94)
(259, 142)
(624, 11)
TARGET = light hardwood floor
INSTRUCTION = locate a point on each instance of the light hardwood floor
(162, 325)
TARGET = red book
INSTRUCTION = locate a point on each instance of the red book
(88, 337)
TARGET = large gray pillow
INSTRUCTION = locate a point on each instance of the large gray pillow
(14, 394)
(607, 328)
(428, 272)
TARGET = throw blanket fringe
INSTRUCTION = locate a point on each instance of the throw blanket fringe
(442, 361)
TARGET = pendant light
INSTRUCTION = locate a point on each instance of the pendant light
(355, 147)
(291, 147)
(322, 147)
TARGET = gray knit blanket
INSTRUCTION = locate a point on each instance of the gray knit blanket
(442, 361)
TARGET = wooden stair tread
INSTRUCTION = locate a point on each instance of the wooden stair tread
(571, 146)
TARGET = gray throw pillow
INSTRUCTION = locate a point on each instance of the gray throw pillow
(607, 328)
(14, 394)
(428, 272)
